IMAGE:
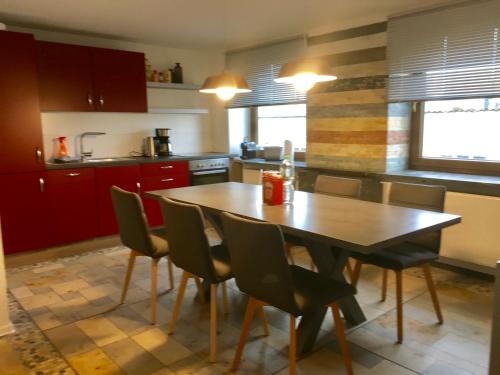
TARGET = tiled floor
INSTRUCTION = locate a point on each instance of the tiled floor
(68, 321)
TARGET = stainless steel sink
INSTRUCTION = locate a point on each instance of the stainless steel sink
(105, 160)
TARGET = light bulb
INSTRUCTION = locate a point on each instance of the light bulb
(225, 93)
(304, 81)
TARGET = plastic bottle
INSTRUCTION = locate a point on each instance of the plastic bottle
(287, 171)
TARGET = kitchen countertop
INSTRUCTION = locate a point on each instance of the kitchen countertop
(131, 160)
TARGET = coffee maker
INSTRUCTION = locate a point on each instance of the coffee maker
(162, 142)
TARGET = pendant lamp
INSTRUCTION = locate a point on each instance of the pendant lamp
(225, 85)
(304, 73)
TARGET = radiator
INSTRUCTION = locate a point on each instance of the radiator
(475, 242)
(477, 238)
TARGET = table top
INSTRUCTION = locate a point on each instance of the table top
(350, 223)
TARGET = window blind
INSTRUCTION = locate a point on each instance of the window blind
(260, 66)
(447, 53)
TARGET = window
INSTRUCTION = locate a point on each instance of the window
(277, 123)
(458, 135)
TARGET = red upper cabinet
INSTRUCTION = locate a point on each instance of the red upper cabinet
(119, 80)
(21, 147)
(125, 177)
(24, 211)
(80, 79)
(65, 78)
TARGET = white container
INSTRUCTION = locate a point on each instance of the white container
(273, 153)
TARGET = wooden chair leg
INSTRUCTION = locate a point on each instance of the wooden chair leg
(432, 291)
(178, 302)
(213, 322)
(225, 305)
(170, 269)
(201, 292)
(350, 272)
(154, 286)
(356, 273)
(289, 254)
(244, 333)
(339, 329)
(262, 316)
(312, 266)
(130, 268)
(292, 349)
(399, 304)
(384, 284)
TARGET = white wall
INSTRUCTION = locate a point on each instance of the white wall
(125, 131)
(5, 324)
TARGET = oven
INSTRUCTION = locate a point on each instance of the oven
(208, 171)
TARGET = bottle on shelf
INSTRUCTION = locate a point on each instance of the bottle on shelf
(287, 171)
(177, 73)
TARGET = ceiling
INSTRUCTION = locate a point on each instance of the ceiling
(221, 24)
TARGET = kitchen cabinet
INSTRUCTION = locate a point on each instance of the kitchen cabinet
(24, 212)
(20, 123)
(119, 80)
(73, 209)
(79, 78)
(125, 177)
(159, 176)
(64, 76)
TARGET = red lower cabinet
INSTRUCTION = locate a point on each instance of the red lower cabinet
(125, 177)
(160, 176)
(24, 212)
(72, 205)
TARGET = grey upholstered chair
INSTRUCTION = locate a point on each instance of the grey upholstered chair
(418, 252)
(190, 250)
(262, 271)
(338, 186)
(135, 234)
(334, 186)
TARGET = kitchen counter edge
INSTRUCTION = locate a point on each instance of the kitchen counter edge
(133, 160)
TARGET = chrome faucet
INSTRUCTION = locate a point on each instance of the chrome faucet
(87, 154)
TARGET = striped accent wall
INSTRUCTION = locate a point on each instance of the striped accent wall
(350, 126)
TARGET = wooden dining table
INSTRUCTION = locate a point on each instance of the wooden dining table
(329, 227)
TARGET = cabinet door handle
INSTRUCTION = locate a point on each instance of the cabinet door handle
(89, 99)
(41, 184)
(167, 167)
(101, 100)
(72, 174)
(167, 179)
(138, 188)
(38, 153)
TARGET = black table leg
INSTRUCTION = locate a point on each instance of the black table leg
(330, 262)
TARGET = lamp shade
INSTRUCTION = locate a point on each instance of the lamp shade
(305, 72)
(226, 80)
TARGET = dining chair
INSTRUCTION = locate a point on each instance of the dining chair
(334, 186)
(262, 272)
(190, 250)
(417, 252)
(135, 234)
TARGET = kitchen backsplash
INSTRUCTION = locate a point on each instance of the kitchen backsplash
(125, 132)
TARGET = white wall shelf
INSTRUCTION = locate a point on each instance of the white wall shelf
(173, 86)
(179, 111)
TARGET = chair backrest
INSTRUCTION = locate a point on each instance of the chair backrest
(338, 186)
(129, 212)
(188, 244)
(258, 261)
(423, 197)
